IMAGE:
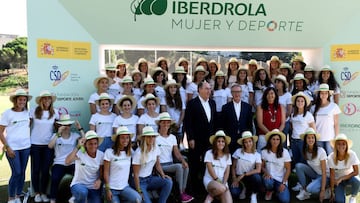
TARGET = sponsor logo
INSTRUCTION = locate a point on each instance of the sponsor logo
(182, 15)
(347, 76)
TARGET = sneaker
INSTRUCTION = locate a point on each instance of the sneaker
(208, 199)
(72, 199)
(38, 198)
(327, 193)
(44, 198)
(17, 200)
(253, 198)
(297, 187)
(303, 195)
(11, 201)
(268, 195)
(352, 199)
(186, 198)
(243, 193)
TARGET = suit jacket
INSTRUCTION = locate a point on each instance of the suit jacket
(197, 126)
(232, 125)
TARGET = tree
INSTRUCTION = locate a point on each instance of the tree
(14, 53)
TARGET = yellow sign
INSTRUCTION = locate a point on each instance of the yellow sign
(345, 52)
(63, 49)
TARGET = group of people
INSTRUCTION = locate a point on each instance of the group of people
(238, 127)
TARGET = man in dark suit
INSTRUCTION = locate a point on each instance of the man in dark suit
(199, 126)
(237, 117)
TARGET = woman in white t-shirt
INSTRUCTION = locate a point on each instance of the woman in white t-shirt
(315, 169)
(192, 89)
(175, 106)
(246, 168)
(102, 121)
(15, 123)
(326, 114)
(149, 88)
(102, 84)
(127, 84)
(300, 120)
(117, 163)
(159, 76)
(276, 166)
(326, 75)
(218, 162)
(148, 119)
(247, 94)
(85, 185)
(281, 86)
(145, 158)
(221, 94)
(63, 142)
(232, 69)
(126, 106)
(42, 120)
(168, 146)
(344, 169)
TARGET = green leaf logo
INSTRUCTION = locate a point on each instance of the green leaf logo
(148, 7)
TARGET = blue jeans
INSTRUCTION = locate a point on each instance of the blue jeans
(127, 194)
(106, 143)
(18, 168)
(304, 171)
(340, 189)
(296, 149)
(326, 145)
(83, 194)
(156, 183)
(252, 183)
(41, 158)
(57, 173)
(271, 184)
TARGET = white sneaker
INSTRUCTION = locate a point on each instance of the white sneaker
(253, 198)
(327, 193)
(243, 194)
(17, 200)
(72, 199)
(297, 187)
(38, 198)
(11, 201)
(44, 198)
(303, 195)
(352, 199)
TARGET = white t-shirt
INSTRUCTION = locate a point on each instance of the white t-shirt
(137, 93)
(192, 88)
(42, 129)
(87, 169)
(160, 92)
(300, 124)
(17, 127)
(220, 97)
(315, 163)
(246, 90)
(145, 119)
(130, 123)
(232, 80)
(119, 167)
(285, 99)
(325, 121)
(115, 89)
(95, 96)
(342, 168)
(146, 168)
(275, 166)
(166, 145)
(246, 162)
(63, 147)
(103, 124)
(219, 166)
(183, 95)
